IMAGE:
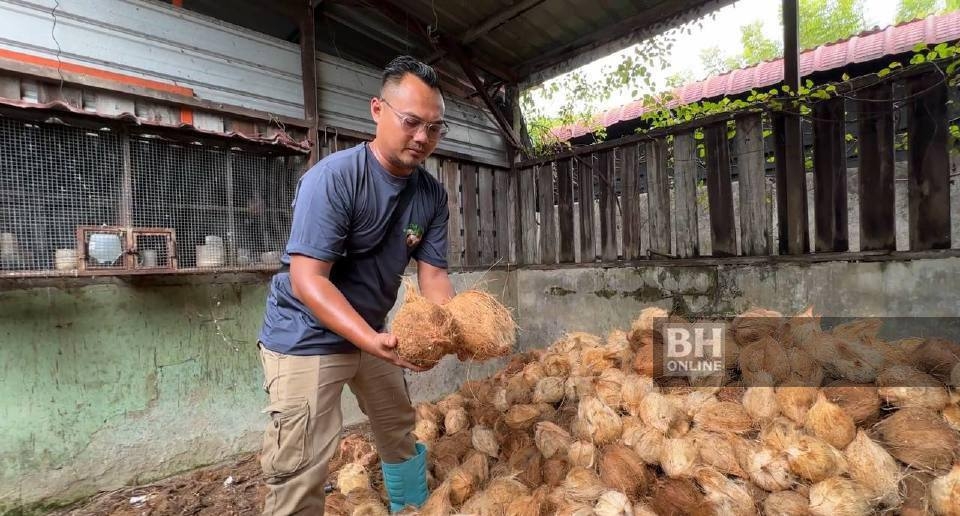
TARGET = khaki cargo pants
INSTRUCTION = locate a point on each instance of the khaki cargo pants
(305, 421)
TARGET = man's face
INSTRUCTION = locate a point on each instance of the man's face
(402, 115)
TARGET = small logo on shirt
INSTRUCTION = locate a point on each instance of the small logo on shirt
(414, 233)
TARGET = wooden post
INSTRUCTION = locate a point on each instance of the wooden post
(793, 187)
(658, 196)
(608, 207)
(308, 64)
(830, 176)
(685, 179)
(720, 191)
(548, 225)
(929, 163)
(588, 251)
(877, 229)
(754, 223)
(565, 210)
(630, 201)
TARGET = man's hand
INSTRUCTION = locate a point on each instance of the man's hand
(384, 346)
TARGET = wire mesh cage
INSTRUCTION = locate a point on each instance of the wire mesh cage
(72, 198)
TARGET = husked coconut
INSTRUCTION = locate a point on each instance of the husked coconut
(919, 438)
(796, 401)
(761, 404)
(582, 485)
(635, 387)
(945, 493)
(613, 503)
(830, 423)
(728, 496)
(609, 387)
(352, 477)
(551, 439)
(720, 451)
(600, 421)
(904, 386)
(582, 454)
(813, 459)
(486, 327)
(786, 503)
(724, 416)
(645, 330)
(679, 457)
(548, 390)
(769, 469)
(875, 469)
(455, 421)
(485, 441)
(755, 324)
(623, 470)
(838, 496)
(860, 400)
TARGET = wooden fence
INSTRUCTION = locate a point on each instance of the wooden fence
(639, 197)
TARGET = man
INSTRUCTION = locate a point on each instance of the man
(359, 216)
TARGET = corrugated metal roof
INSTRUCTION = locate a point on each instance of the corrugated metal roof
(864, 47)
(52, 109)
(508, 40)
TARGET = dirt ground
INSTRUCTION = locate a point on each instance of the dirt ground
(232, 488)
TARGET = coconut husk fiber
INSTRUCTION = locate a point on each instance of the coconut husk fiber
(727, 495)
(533, 504)
(485, 441)
(860, 400)
(623, 470)
(526, 464)
(450, 402)
(945, 493)
(438, 504)
(755, 324)
(582, 485)
(874, 468)
(904, 386)
(829, 422)
(613, 503)
(723, 416)
(487, 329)
(425, 331)
(919, 438)
(645, 330)
(352, 477)
(786, 503)
(551, 439)
(601, 423)
(554, 471)
(582, 454)
(679, 497)
(721, 451)
(679, 458)
(456, 421)
(813, 460)
(768, 469)
(838, 496)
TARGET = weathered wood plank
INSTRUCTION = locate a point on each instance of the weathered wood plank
(754, 223)
(513, 216)
(471, 220)
(877, 230)
(608, 206)
(585, 173)
(548, 223)
(565, 211)
(791, 185)
(528, 216)
(630, 200)
(502, 207)
(658, 196)
(720, 191)
(685, 183)
(487, 221)
(928, 163)
(108, 104)
(830, 176)
(451, 183)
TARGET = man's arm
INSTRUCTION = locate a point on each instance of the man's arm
(310, 282)
(434, 283)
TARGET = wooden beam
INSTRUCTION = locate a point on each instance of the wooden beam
(505, 128)
(308, 64)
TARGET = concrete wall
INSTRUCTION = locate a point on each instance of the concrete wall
(108, 385)
(112, 384)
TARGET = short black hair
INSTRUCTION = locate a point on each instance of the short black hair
(402, 65)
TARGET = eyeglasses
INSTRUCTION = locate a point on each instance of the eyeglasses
(411, 124)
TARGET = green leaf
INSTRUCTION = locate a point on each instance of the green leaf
(931, 56)
(809, 83)
(845, 77)
(883, 73)
(848, 137)
(895, 64)
(918, 59)
(919, 47)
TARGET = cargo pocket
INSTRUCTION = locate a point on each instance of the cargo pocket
(285, 441)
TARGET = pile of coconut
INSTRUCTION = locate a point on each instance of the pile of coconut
(803, 421)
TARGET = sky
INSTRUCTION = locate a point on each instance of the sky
(725, 33)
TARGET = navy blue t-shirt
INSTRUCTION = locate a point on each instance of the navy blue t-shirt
(342, 207)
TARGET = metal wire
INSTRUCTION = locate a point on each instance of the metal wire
(188, 205)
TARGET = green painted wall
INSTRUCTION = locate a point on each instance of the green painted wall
(102, 383)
